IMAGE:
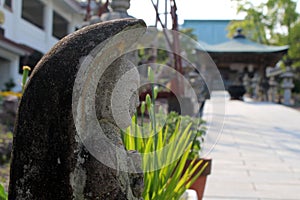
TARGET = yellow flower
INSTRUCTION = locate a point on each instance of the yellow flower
(10, 93)
(26, 68)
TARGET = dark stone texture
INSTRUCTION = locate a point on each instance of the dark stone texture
(45, 150)
(9, 110)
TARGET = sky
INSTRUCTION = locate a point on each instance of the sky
(190, 9)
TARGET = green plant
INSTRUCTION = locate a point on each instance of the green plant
(164, 177)
(164, 153)
(3, 194)
(198, 129)
(26, 70)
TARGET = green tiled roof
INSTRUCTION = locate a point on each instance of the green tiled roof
(243, 45)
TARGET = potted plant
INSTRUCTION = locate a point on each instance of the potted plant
(167, 174)
(198, 130)
(167, 180)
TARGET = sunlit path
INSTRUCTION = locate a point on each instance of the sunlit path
(258, 154)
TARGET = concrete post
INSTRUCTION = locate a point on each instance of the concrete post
(48, 22)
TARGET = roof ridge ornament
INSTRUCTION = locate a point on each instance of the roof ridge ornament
(239, 34)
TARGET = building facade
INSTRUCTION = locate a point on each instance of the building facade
(29, 28)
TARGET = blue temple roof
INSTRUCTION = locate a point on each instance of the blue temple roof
(212, 38)
(243, 45)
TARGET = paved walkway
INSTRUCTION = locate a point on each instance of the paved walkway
(258, 154)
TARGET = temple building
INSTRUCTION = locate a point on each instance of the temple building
(241, 57)
(241, 62)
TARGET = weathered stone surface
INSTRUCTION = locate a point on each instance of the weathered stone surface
(9, 110)
(49, 161)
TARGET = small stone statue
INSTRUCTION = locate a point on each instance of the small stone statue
(122, 184)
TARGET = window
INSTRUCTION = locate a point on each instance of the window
(60, 26)
(33, 11)
(8, 4)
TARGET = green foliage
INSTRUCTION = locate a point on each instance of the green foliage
(275, 22)
(146, 55)
(164, 175)
(162, 56)
(164, 152)
(197, 129)
(26, 70)
(3, 194)
(189, 32)
(294, 51)
(251, 30)
(296, 89)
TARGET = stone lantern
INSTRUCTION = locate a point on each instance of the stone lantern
(254, 86)
(273, 89)
(247, 83)
(287, 85)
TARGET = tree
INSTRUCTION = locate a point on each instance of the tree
(253, 25)
(294, 51)
(275, 22)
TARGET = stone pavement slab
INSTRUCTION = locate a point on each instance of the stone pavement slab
(258, 153)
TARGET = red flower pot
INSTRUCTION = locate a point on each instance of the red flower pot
(199, 184)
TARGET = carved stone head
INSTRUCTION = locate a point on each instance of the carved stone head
(116, 95)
